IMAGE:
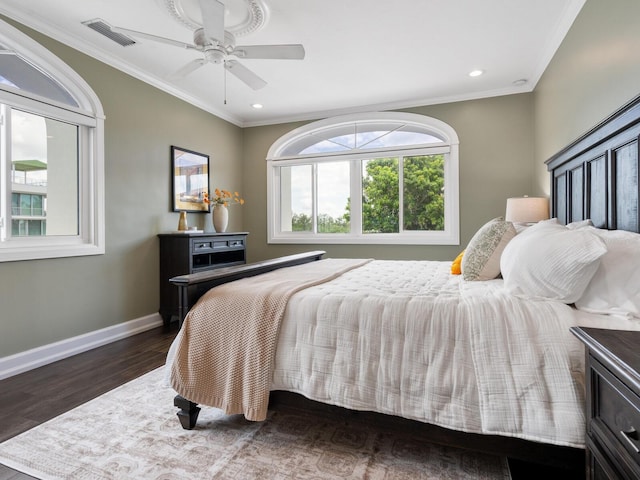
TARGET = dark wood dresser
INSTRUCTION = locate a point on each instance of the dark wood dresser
(613, 402)
(186, 253)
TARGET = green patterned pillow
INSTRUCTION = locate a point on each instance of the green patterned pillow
(481, 259)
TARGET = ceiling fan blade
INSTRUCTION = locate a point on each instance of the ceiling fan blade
(213, 19)
(155, 38)
(187, 69)
(283, 52)
(244, 74)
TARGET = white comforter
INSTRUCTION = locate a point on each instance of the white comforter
(409, 339)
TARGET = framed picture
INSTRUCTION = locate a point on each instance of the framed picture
(190, 180)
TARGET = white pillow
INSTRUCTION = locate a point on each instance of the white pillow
(551, 261)
(521, 227)
(615, 287)
(580, 224)
(481, 259)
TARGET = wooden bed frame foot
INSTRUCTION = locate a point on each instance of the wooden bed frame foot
(188, 414)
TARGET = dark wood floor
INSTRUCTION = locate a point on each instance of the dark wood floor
(34, 397)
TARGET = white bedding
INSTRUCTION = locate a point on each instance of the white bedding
(409, 339)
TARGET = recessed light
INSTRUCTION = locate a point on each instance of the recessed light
(476, 73)
(520, 82)
(257, 106)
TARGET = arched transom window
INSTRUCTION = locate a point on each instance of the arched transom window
(383, 177)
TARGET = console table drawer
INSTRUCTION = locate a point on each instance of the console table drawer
(202, 245)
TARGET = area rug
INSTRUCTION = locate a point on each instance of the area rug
(132, 432)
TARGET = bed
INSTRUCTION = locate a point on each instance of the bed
(484, 359)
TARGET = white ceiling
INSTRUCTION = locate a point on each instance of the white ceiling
(361, 55)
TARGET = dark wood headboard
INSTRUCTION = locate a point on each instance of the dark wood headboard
(596, 176)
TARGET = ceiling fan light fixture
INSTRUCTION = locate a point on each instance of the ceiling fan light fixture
(214, 55)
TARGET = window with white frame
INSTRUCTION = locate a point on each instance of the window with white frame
(385, 177)
(51, 155)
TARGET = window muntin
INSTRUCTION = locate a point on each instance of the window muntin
(398, 191)
(51, 148)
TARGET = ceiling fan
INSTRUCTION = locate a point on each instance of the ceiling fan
(217, 45)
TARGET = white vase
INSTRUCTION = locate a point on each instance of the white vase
(208, 223)
(220, 218)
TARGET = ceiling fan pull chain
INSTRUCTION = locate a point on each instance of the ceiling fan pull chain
(225, 82)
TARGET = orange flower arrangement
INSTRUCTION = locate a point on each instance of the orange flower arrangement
(223, 197)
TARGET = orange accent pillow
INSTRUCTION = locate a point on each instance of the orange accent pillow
(456, 265)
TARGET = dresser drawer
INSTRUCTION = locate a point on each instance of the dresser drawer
(615, 418)
(599, 466)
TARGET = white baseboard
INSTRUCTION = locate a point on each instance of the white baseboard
(37, 357)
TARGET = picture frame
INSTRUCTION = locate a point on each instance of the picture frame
(189, 180)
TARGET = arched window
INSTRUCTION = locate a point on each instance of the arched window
(51, 155)
(385, 177)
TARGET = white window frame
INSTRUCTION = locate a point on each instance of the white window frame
(89, 117)
(449, 147)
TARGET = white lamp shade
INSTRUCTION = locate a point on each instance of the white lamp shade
(527, 209)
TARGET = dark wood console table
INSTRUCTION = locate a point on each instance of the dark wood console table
(187, 253)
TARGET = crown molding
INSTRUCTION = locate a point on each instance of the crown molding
(569, 15)
(381, 107)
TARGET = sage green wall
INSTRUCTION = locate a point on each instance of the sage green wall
(595, 71)
(496, 155)
(44, 301)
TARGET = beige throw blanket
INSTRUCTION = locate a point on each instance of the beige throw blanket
(224, 354)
